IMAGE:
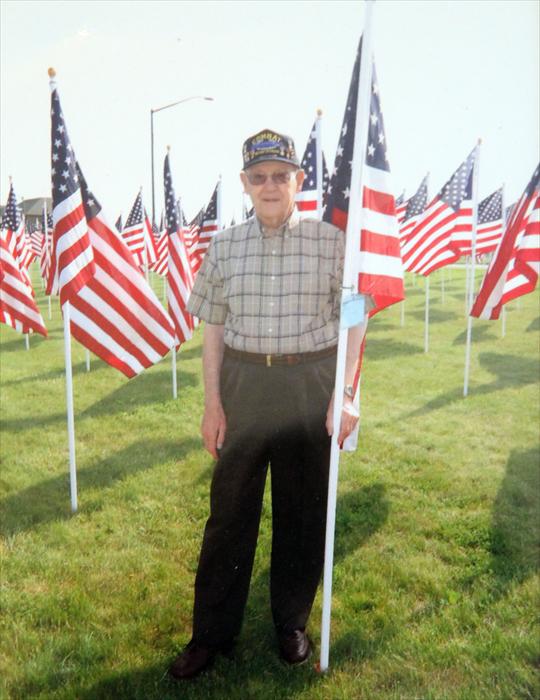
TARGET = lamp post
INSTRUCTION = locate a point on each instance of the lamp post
(152, 112)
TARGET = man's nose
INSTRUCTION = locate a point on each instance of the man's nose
(269, 184)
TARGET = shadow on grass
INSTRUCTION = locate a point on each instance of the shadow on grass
(79, 368)
(515, 529)
(435, 315)
(50, 500)
(382, 349)
(359, 515)
(147, 388)
(19, 343)
(253, 671)
(511, 371)
(478, 334)
(533, 325)
(376, 326)
(190, 352)
(254, 674)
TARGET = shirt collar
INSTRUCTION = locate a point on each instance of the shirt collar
(291, 223)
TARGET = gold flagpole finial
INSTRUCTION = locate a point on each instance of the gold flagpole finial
(319, 112)
(52, 73)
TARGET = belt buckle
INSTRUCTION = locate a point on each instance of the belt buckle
(269, 360)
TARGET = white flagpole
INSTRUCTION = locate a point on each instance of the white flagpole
(219, 205)
(87, 357)
(442, 285)
(426, 318)
(354, 224)
(503, 315)
(174, 378)
(319, 163)
(473, 268)
(466, 283)
(27, 341)
(69, 405)
(48, 252)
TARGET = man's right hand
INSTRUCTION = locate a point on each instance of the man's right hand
(213, 427)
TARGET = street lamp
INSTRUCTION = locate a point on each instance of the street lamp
(152, 112)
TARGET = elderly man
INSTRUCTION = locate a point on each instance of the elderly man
(269, 290)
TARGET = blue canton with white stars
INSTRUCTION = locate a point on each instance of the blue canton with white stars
(136, 214)
(309, 164)
(417, 203)
(171, 209)
(11, 218)
(534, 184)
(490, 208)
(210, 213)
(63, 171)
(91, 206)
(459, 187)
(338, 190)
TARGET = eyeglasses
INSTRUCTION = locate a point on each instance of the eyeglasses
(280, 178)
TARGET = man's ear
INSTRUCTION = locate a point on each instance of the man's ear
(300, 175)
(244, 181)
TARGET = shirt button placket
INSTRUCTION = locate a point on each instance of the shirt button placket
(273, 264)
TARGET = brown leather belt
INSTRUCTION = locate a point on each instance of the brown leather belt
(279, 359)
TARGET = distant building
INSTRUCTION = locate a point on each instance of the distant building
(32, 209)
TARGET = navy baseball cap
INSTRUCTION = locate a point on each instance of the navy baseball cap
(269, 145)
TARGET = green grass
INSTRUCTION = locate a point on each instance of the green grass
(436, 567)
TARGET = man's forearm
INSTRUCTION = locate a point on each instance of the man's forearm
(354, 341)
(213, 347)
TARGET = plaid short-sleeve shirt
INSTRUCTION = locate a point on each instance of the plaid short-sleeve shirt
(274, 294)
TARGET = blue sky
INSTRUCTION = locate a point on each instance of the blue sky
(449, 72)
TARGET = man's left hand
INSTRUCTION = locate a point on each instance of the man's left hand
(349, 419)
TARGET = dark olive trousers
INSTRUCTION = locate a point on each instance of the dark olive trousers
(275, 416)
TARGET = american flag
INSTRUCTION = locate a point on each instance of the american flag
(509, 210)
(35, 238)
(434, 241)
(209, 226)
(515, 266)
(489, 228)
(73, 257)
(162, 246)
(17, 306)
(306, 199)
(377, 259)
(191, 236)
(413, 208)
(45, 256)
(401, 206)
(116, 314)
(179, 273)
(138, 235)
(45, 259)
(13, 224)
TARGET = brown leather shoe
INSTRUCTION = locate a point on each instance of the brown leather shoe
(193, 660)
(295, 647)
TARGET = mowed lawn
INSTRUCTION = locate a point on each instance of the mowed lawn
(436, 569)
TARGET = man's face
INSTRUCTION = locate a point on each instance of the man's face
(272, 187)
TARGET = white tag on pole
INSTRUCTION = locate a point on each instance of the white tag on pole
(352, 310)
